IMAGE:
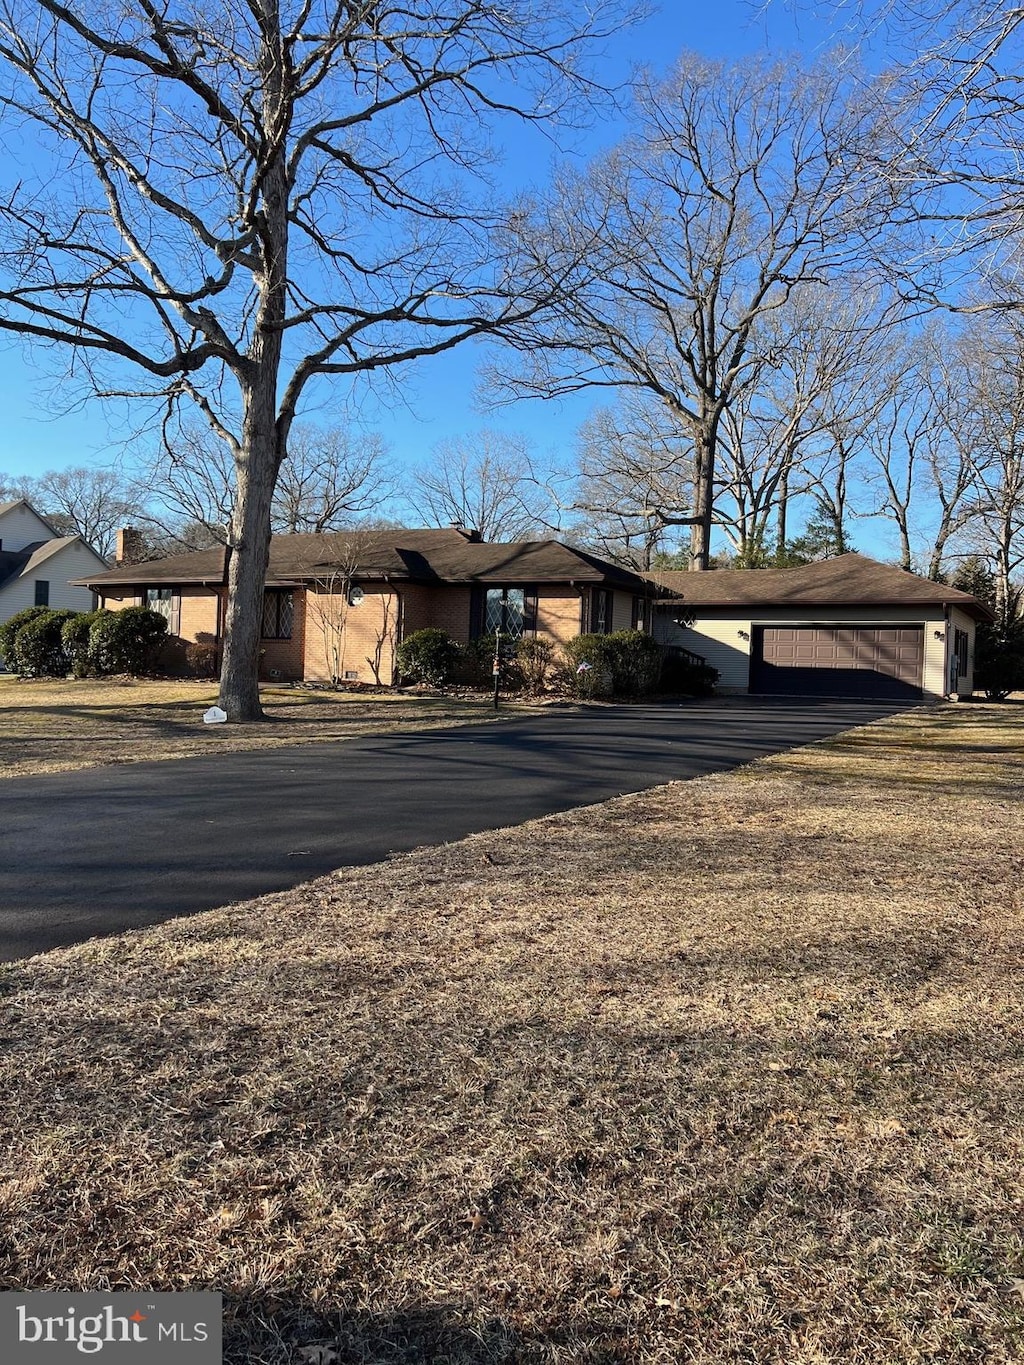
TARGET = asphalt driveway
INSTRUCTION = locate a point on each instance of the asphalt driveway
(107, 849)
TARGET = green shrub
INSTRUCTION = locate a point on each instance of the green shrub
(76, 635)
(126, 641)
(588, 665)
(635, 659)
(39, 648)
(478, 665)
(625, 664)
(9, 630)
(475, 662)
(535, 660)
(428, 656)
(525, 663)
(686, 673)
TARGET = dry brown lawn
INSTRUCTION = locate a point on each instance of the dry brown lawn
(52, 726)
(728, 1071)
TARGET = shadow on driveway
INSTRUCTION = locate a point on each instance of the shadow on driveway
(102, 850)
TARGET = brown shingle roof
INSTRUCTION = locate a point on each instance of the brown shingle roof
(421, 556)
(848, 580)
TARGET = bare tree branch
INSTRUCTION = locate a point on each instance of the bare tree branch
(244, 199)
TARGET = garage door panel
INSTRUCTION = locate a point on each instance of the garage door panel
(850, 661)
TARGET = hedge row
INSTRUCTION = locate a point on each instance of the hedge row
(628, 663)
(39, 642)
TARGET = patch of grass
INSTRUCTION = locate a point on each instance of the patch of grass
(728, 1071)
(53, 726)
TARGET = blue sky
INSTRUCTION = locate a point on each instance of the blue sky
(436, 399)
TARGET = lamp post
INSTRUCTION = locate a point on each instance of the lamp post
(496, 668)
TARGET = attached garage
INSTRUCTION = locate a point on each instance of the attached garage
(845, 627)
(878, 661)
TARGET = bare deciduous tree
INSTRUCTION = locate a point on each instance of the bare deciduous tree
(741, 184)
(91, 503)
(487, 481)
(230, 203)
(956, 120)
(329, 479)
(632, 474)
(924, 470)
(811, 379)
(992, 435)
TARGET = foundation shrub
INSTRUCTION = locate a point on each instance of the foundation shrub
(9, 630)
(428, 656)
(39, 648)
(76, 635)
(587, 666)
(127, 641)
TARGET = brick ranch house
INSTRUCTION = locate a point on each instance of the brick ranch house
(338, 605)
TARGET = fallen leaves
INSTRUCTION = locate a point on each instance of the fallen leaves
(317, 1355)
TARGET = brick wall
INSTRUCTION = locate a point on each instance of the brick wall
(331, 638)
(342, 639)
(559, 613)
(199, 614)
(198, 619)
(448, 608)
(443, 608)
(283, 660)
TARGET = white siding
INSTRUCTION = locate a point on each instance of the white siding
(20, 526)
(74, 561)
(723, 637)
(717, 640)
(959, 620)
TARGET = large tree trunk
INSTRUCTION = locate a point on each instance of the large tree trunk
(703, 501)
(264, 432)
(256, 473)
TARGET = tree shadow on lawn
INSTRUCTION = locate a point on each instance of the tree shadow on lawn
(261, 1330)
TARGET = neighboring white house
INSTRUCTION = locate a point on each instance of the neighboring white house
(36, 564)
(845, 627)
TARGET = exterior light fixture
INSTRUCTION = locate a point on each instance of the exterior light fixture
(355, 596)
(940, 635)
(743, 634)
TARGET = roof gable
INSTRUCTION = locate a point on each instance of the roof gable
(17, 564)
(21, 526)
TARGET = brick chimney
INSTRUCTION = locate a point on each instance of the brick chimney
(131, 546)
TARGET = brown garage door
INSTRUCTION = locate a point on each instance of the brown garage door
(838, 661)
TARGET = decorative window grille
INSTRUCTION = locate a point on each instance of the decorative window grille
(601, 611)
(278, 615)
(505, 611)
